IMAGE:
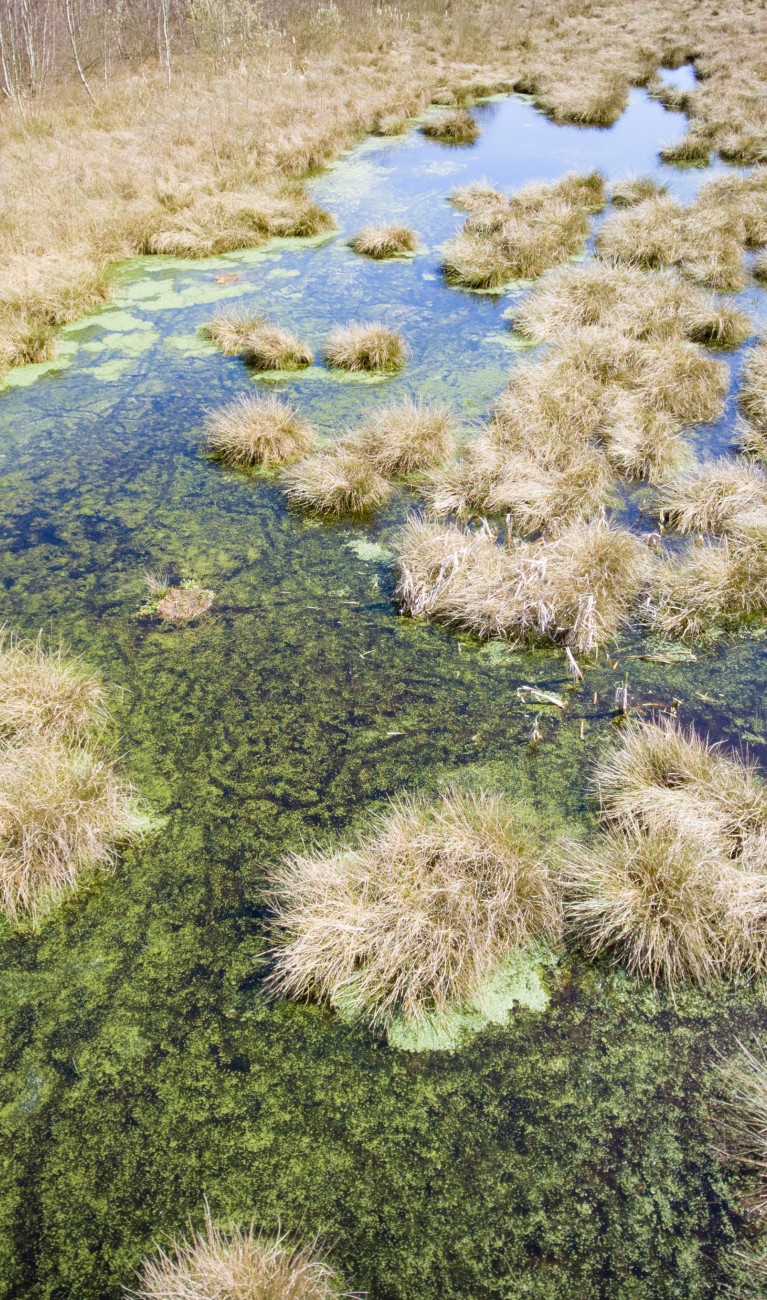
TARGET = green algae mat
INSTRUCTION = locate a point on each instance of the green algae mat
(552, 1142)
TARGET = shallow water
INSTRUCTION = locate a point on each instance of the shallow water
(562, 1154)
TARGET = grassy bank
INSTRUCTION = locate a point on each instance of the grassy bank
(181, 143)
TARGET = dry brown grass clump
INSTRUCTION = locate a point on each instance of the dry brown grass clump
(239, 1264)
(505, 239)
(671, 376)
(176, 603)
(238, 333)
(691, 151)
(456, 126)
(384, 241)
(63, 807)
(46, 293)
(703, 242)
(635, 189)
(753, 392)
(742, 1129)
(336, 482)
(269, 347)
(255, 430)
(641, 304)
(47, 692)
(419, 911)
(222, 223)
(676, 886)
(581, 99)
(716, 496)
(639, 441)
(401, 437)
(577, 588)
(713, 585)
(365, 345)
(229, 330)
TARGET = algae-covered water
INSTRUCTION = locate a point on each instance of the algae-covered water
(561, 1150)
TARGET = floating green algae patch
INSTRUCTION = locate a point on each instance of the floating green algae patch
(519, 982)
(143, 1065)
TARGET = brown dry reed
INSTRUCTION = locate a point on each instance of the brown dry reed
(406, 436)
(236, 1264)
(455, 126)
(715, 496)
(338, 481)
(416, 913)
(262, 346)
(629, 190)
(505, 239)
(676, 886)
(741, 1121)
(642, 305)
(256, 430)
(64, 810)
(712, 587)
(753, 391)
(705, 241)
(577, 588)
(384, 241)
(365, 345)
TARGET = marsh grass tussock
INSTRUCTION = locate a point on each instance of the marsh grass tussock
(753, 390)
(63, 813)
(384, 241)
(47, 692)
(257, 430)
(64, 809)
(704, 243)
(644, 305)
(365, 345)
(676, 885)
(229, 330)
(228, 221)
(715, 496)
(577, 588)
(741, 1125)
(262, 345)
(713, 586)
(270, 347)
(338, 481)
(627, 191)
(521, 236)
(235, 1264)
(639, 441)
(454, 126)
(691, 151)
(418, 911)
(406, 436)
(582, 99)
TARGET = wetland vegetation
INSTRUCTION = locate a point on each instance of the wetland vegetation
(430, 959)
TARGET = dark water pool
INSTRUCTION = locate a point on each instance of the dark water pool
(562, 1155)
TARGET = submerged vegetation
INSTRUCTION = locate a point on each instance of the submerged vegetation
(419, 911)
(237, 1264)
(256, 430)
(64, 809)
